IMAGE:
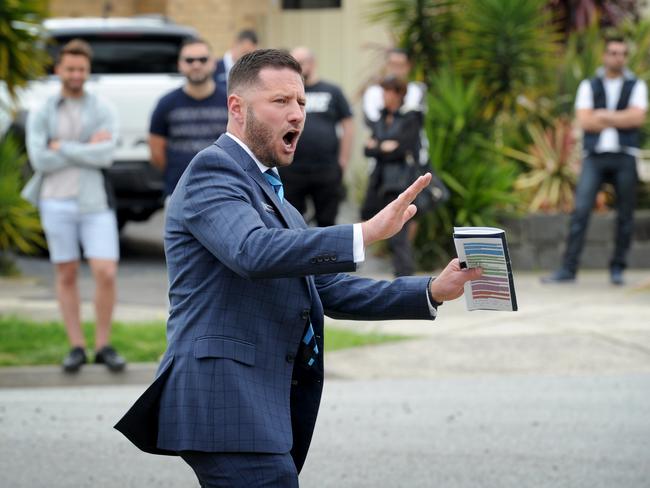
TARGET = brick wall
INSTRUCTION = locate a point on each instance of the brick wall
(150, 6)
(91, 8)
(218, 21)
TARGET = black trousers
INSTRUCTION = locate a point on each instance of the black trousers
(323, 184)
(242, 470)
(402, 252)
(620, 170)
(401, 248)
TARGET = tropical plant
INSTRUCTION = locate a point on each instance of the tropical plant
(582, 55)
(20, 227)
(422, 27)
(509, 46)
(454, 107)
(463, 154)
(553, 161)
(22, 57)
(638, 36)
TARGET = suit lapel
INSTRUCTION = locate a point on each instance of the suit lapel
(242, 157)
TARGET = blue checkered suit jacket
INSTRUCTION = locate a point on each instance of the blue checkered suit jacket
(246, 275)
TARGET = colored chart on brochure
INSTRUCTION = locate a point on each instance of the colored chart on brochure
(486, 247)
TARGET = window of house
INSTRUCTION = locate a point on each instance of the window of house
(304, 4)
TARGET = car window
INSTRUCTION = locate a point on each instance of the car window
(128, 53)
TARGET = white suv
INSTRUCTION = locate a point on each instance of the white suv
(134, 64)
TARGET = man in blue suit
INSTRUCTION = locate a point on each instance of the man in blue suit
(238, 389)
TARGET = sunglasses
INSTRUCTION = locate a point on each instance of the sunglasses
(200, 59)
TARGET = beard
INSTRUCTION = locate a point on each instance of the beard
(198, 79)
(259, 138)
(74, 87)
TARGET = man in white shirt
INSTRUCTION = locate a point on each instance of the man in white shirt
(397, 64)
(610, 108)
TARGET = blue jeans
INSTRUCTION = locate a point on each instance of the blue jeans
(620, 170)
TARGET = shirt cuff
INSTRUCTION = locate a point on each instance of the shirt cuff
(433, 305)
(358, 251)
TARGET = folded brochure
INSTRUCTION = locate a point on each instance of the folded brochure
(486, 247)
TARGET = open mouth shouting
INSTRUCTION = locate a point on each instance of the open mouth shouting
(290, 139)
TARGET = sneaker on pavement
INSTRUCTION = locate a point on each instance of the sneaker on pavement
(560, 276)
(108, 355)
(616, 276)
(74, 360)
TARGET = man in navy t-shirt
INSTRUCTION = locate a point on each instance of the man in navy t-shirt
(189, 118)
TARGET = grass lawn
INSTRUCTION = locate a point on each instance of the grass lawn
(25, 342)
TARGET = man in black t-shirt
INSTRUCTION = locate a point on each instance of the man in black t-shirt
(322, 154)
(189, 118)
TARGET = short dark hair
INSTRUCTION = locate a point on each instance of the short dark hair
(75, 47)
(194, 40)
(247, 35)
(395, 84)
(247, 69)
(615, 38)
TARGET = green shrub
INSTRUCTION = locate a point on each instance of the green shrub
(553, 163)
(509, 46)
(20, 227)
(465, 157)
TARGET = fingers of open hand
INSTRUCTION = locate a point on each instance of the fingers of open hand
(408, 195)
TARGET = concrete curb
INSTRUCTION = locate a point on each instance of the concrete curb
(89, 375)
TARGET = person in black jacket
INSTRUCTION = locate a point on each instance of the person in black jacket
(394, 144)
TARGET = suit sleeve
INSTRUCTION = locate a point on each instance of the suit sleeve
(219, 211)
(352, 297)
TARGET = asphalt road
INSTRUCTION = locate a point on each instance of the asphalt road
(555, 395)
(472, 432)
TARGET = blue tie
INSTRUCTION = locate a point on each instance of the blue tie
(310, 349)
(275, 182)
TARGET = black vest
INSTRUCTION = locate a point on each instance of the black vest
(626, 137)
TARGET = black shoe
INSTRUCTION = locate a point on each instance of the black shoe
(109, 356)
(75, 358)
(560, 276)
(616, 276)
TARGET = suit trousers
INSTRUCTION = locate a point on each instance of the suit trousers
(620, 170)
(242, 470)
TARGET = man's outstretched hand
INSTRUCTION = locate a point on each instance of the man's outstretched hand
(390, 220)
(448, 285)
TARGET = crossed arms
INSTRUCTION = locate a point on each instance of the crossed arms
(596, 120)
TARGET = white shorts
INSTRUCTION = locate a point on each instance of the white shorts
(65, 228)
